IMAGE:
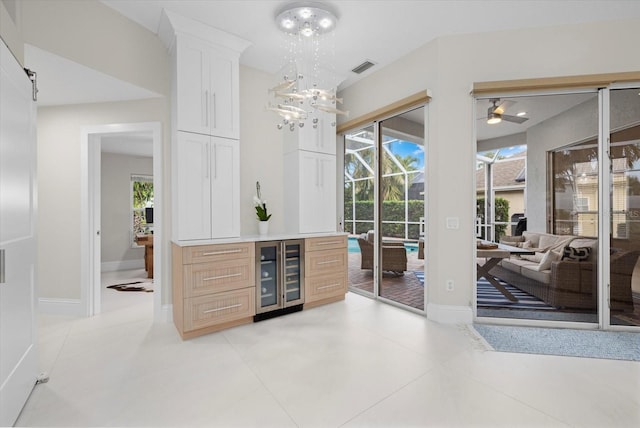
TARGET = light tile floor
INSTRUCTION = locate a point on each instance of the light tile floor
(356, 363)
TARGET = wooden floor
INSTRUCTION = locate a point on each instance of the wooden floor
(405, 289)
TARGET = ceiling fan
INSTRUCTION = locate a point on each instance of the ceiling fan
(495, 113)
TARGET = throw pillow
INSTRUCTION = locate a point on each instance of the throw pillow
(549, 257)
(580, 254)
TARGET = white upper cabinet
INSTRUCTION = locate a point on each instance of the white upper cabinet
(321, 139)
(310, 192)
(207, 88)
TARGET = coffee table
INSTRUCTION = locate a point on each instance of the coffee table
(493, 257)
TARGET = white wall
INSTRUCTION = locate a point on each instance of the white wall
(116, 171)
(448, 67)
(261, 152)
(59, 131)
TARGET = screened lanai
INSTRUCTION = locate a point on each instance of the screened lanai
(402, 189)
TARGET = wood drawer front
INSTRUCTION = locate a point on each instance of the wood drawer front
(205, 311)
(324, 287)
(325, 243)
(217, 252)
(206, 278)
(325, 262)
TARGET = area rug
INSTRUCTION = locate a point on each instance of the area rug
(490, 297)
(420, 275)
(146, 286)
(611, 345)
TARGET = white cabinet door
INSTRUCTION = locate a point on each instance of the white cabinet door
(225, 187)
(18, 242)
(225, 95)
(321, 139)
(192, 197)
(208, 187)
(317, 207)
(193, 85)
(207, 89)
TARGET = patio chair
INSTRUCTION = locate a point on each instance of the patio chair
(394, 255)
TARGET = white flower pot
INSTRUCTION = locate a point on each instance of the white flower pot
(263, 227)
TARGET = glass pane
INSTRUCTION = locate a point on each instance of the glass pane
(359, 161)
(624, 290)
(537, 194)
(292, 274)
(402, 209)
(268, 276)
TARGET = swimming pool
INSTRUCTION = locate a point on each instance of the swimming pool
(353, 246)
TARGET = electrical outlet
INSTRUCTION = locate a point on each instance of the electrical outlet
(449, 285)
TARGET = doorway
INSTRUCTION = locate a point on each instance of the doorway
(91, 227)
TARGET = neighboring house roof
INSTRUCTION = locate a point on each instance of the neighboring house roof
(506, 173)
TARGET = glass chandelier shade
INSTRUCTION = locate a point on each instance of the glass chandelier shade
(306, 89)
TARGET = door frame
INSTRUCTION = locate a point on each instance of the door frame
(90, 263)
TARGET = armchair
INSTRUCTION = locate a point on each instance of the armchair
(394, 255)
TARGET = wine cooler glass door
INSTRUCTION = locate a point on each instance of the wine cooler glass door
(292, 273)
(269, 296)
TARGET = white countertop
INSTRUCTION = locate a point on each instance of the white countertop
(258, 238)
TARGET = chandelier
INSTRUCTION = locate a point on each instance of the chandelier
(307, 89)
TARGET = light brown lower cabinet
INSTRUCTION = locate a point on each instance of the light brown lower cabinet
(214, 286)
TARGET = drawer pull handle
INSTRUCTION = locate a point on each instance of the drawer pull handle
(328, 262)
(328, 243)
(222, 309)
(213, 278)
(328, 286)
(217, 253)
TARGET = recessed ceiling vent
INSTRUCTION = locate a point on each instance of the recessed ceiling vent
(363, 67)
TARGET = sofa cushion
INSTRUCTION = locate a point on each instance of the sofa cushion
(514, 264)
(534, 238)
(536, 258)
(543, 276)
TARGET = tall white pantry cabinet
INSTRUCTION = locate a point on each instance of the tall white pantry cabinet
(205, 129)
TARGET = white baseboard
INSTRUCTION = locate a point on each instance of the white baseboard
(449, 314)
(122, 265)
(166, 314)
(67, 307)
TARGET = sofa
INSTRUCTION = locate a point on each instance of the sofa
(394, 255)
(563, 271)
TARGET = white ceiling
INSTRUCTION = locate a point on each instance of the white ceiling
(134, 144)
(376, 30)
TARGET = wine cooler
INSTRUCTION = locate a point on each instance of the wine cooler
(279, 278)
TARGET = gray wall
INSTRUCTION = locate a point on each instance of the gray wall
(116, 172)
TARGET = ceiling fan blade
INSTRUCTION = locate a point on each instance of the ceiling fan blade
(514, 119)
(500, 109)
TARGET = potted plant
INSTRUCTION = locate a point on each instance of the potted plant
(261, 211)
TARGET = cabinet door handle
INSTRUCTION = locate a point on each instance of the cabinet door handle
(213, 278)
(213, 110)
(328, 262)
(327, 243)
(222, 309)
(206, 108)
(206, 161)
(317, 173)
(215, 161)
(328, 286)
(216, 253)
(2, 267)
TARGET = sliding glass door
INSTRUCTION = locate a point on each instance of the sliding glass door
(385, 210)
(573, 257)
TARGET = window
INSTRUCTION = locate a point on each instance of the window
(141, 205)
